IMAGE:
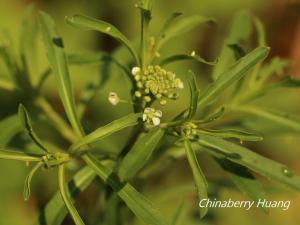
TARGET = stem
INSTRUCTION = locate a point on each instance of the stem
(143, 43)
(66, 196)
(58, 122)
(145, 19)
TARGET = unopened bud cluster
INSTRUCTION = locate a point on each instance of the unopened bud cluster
(189, 129)
(155, 82)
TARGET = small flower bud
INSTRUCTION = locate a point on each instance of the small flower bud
(135, 70)
(147, 98)
(138, 94)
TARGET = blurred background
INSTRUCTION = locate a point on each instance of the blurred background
(282, 21)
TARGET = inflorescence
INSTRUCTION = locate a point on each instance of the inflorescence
(155, 82)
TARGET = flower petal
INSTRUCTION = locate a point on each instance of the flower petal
(156, 121)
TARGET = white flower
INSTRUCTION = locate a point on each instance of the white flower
(113, 98)
(135, 70)
(152, 116)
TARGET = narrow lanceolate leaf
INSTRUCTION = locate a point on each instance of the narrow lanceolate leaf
(285, 83)
(58, 63)
(11, 125)
(276, 66)
(140, 153)
(55, 210)
(231, 133)
(194, 95)
(239, 34)
(136, 202)
(89, 23)
(178, 217)
(181, 57)
(182, 26)
(17, 155)
(261, 33)
(243, 179)
(26, 122)
(245, 157)
(233, 74)
(7, 85)
(279, 118)
(27, 42)
(169, 21)
(199, 177)
(28, 179)
(66, 196)
(217, 114)
(98, 134)
(289, 82)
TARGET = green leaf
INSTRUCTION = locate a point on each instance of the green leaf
(213, 116)
(238, 51)
(245, 157)
(6, 85)
(58, 63)
(276, 66)
(136, 202)
(239, 34)
(66, 196)
(243, 179)
(168, 23)
(17, 155)
(289, 82)
(140, 153)
(28, 179)
(89, 23)
(182, 26)
(181, 57)
(11, 125)
(55, 210)
(233, 74)
(199, 177)
(179, 214)
(26, 122)
(28, 38)
(194, 95)
(112, 209)
(261, 32)
(279, 118)
(232, 133)
(101, 132)
(7, 52)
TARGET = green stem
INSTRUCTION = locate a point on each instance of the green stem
(66, 196)
(143, 43)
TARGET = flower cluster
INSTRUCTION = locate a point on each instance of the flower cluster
(152, 116)
(155, 82)
(189, 129)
